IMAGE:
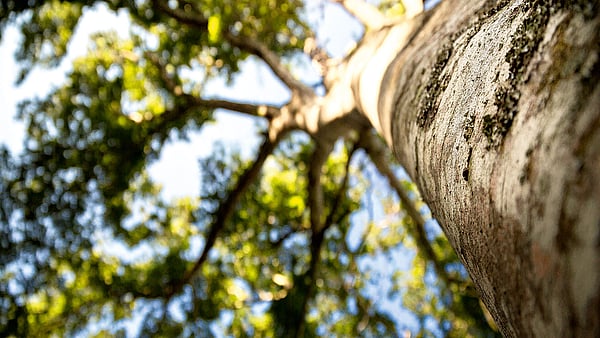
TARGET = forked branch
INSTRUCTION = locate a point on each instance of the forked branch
(262, 110)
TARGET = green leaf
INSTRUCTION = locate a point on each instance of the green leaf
(214, 28)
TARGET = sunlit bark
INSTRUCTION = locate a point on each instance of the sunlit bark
(493, 108)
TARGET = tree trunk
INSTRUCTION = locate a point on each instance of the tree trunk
(493, 108)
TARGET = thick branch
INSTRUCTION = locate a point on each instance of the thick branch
(412, 8)
(257, 48)
(378, 153)
(315, 189)
(226, 209)
(316, 242)
(318, 229)
(364, 12)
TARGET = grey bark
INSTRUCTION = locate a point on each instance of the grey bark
(493, 108)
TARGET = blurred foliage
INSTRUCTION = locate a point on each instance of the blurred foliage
(89, 246)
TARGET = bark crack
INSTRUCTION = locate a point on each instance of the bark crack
(465, 173)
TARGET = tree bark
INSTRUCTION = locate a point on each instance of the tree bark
(493, 108)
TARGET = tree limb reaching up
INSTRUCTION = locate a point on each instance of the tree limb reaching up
(364, 12)
(315, 189)
(412, 8)
(272, 60)
(226, 209)
(372, 18)
(380, 156)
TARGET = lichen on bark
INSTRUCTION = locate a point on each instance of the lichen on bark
(435, 86)
(524, 44)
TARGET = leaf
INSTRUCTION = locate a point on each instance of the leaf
(214, 28)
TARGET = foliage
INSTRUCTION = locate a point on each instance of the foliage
(89, 245)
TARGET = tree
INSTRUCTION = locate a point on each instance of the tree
(499, 129)
(490, 106)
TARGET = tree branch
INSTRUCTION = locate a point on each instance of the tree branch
(378, 153)
(318, 229)
(316, 242)
(315, 189)
(340, 193)
(364, 12)
(316, 201)
(173, 84)
(187, 17)
(244, 43)
(257, 48)
(283, 237)
(261, 110)
(226, 209)
(412, 8)
(372, 18)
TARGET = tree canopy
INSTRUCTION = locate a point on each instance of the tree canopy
(277, 244)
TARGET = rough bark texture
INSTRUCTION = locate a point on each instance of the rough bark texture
(494, 109)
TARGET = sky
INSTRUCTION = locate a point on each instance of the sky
(177, 168)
